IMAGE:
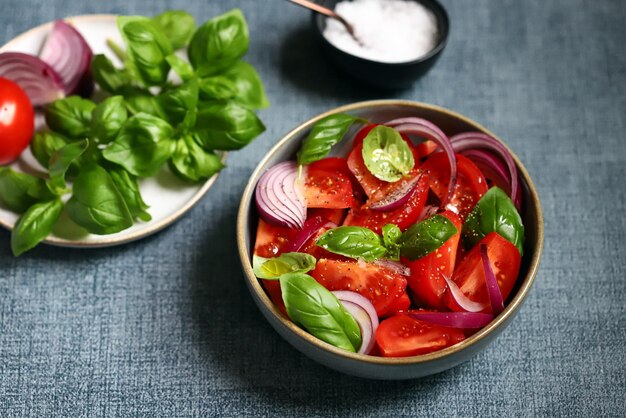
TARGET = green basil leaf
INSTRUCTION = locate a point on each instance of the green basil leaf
(226, 125)
(19, 191)
(177, 102)
(142, 146)
(386, 155)
(240, 82)
(70, 116)
(494, 212)
(44, 144)
(108, 77)
(138, 100)
(108, 117)
(425, 237)
(391, 235)
(127, 185)
(147, 48)
(219, 43)
(193, 163)
(325, 133)
(180, 67)
(316, 309)
(354, 242)
(273, 268)
(34, 225)
(177, 26)
(61, 160)
(96, 204)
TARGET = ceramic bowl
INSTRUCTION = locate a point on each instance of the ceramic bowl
(370, 366)
(391, 76)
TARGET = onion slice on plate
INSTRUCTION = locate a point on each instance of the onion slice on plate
(39, 80)
(460, 298)
(397, 197)
(493, 290)
(309, 229)
(279, 197)
(466, 320)
(68, 53)
(365, 315)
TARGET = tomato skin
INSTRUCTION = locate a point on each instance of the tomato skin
(379, 284)
(335, 216)
(505, 261)
(470, 187)
(426, 281)
(402, 304)
(327, 189)
(426, 148)
(17, 121)
(403, 217)
(403, 336)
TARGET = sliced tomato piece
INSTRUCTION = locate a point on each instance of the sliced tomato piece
(327, 189)
(310, 247)
(403, 336)
(470, 276)
(424, 149)
(340, 165)
(335, 216)
(379, 284)
(470, 187)
(402, 304)
(426, 281)
(404, 216)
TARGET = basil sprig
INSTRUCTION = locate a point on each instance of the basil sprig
(34, 225)
(353, 241)
(386, 155)
(273, 268)
(391, 236)
(313, 307)
(494, 212)
(325, 133)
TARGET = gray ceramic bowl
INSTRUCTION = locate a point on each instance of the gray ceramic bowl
(370, 366)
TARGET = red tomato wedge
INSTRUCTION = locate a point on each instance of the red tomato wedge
(326, 188)
(402, 304)
(424, 149)
(470, 187)
(335, 216)
(403, 336)
(340, 165)
(470, 276)
(404, 216)
(379, 284)
(426, 281)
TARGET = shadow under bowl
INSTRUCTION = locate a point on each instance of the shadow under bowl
(379, 367)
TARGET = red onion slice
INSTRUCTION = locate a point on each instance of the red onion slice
(277, 196)
(493, 290)
(397, 197)
(39, 80)
(478, 140)
(310, 228)
(428, 130)
(69, 54)
(364, 313)
(466, 320)
(462, 300)
(394, 266)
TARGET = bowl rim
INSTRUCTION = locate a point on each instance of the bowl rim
(254, 283)
(443, 30)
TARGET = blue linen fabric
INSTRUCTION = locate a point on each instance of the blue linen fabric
(166, 327)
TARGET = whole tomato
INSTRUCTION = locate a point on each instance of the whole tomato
(17, 121)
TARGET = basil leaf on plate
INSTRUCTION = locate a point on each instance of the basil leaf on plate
(60, 162)
(127, 185)
(354, 242)
(177, 26)
(19, 191)
(191, 162)
(177, 102)
(180, 67)
(34, 225)
(96, 204)
(138, 100)
(108, 118)
(226, 125)
(273, 268)
(325, 133)
(219, 43)
(240, 82)
(70, 116)
(425, 237)
(316, 309)
(44, 144)
(143, 144)
(494, 212)
(386, 155)
(391, 235)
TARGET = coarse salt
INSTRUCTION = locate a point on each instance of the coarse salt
(388, 30)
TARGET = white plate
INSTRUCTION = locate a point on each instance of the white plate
(168, 196)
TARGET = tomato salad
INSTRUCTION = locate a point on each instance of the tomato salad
(407, 245)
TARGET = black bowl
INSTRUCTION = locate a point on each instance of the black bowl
(393, 76)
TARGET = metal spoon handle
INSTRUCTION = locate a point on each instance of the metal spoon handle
(311, 5)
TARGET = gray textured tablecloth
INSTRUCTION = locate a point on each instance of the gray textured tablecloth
(166, 327)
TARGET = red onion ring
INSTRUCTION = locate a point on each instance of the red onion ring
(428, 130)
(364, 313)
(277, 196)
(466, 320)
(40, 81)
(462, 300)
(493, 290)
(310, 228)
(397, 197)
(69, 54)
(478, 140)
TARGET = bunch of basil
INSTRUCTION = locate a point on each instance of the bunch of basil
(146, 122)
